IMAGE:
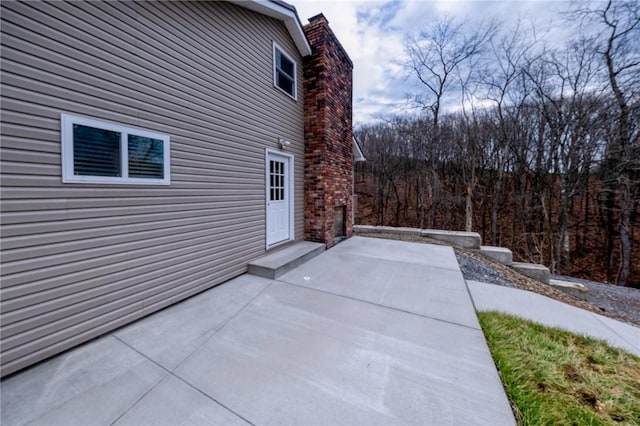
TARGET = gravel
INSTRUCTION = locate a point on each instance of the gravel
(618, 302)
(623, 301)
(477, 270)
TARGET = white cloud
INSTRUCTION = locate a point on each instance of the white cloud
(372, 32)
(359, 25)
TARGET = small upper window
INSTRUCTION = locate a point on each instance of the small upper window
(98, 152)
(284, 71)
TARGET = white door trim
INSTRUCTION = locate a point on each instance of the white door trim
(291, 195)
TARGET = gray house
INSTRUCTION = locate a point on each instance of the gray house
(151, 150)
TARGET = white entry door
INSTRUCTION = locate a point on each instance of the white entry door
(278, 198)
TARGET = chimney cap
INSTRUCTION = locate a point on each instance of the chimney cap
(318, 17)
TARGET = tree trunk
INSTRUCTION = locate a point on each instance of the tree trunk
(398, 203)
(564, 246)
(609, 205)
(468, 225)
(625, 241)
(622, 145)
(432, 212)
(420, 196)
(585, 228)
(494, 213)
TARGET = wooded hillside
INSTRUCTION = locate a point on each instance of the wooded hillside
(541, 154)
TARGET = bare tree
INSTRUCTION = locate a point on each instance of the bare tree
(437, 53)
(435, 57)
(618, 32)
(542, 152)
(507, 93)
(564, 80)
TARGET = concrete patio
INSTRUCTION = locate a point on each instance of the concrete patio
(369, 332)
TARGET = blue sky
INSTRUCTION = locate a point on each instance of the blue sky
(373, 31)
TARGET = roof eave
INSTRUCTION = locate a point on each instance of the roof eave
(357, 152)
(286, 14)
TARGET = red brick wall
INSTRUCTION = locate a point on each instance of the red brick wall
(328, 132)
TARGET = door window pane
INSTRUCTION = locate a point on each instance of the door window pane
(276, 180)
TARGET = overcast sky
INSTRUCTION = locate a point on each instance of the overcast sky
(372, 32)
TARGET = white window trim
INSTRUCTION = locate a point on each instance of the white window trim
(67, 121)
(276, 46)
(292, 219)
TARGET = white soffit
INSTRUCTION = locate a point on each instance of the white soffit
(287, 16)
(357, 152)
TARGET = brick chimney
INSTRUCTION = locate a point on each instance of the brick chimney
(328, 176)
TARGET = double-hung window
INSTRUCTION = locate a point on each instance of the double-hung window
(94, 151)
(284, 71)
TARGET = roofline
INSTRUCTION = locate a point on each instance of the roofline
(357, 152)
(284, 12)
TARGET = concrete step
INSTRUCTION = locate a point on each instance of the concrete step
(463, 239)
(533, 270)
(282, 261)
(499, 254)
(575, 289)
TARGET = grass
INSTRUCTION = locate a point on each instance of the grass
(554, 377)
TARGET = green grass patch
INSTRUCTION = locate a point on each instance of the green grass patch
(554, 377)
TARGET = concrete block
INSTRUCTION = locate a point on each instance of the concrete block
(499, 254)
(574, 289)
(463, 239)
(368, 229)
(533, 270)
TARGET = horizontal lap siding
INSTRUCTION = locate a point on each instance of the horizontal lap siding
(80, 260)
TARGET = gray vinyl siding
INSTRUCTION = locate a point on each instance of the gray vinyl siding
(79, 260)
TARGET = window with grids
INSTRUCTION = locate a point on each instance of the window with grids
(98, 152)
(276, 180)
(284, 71)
